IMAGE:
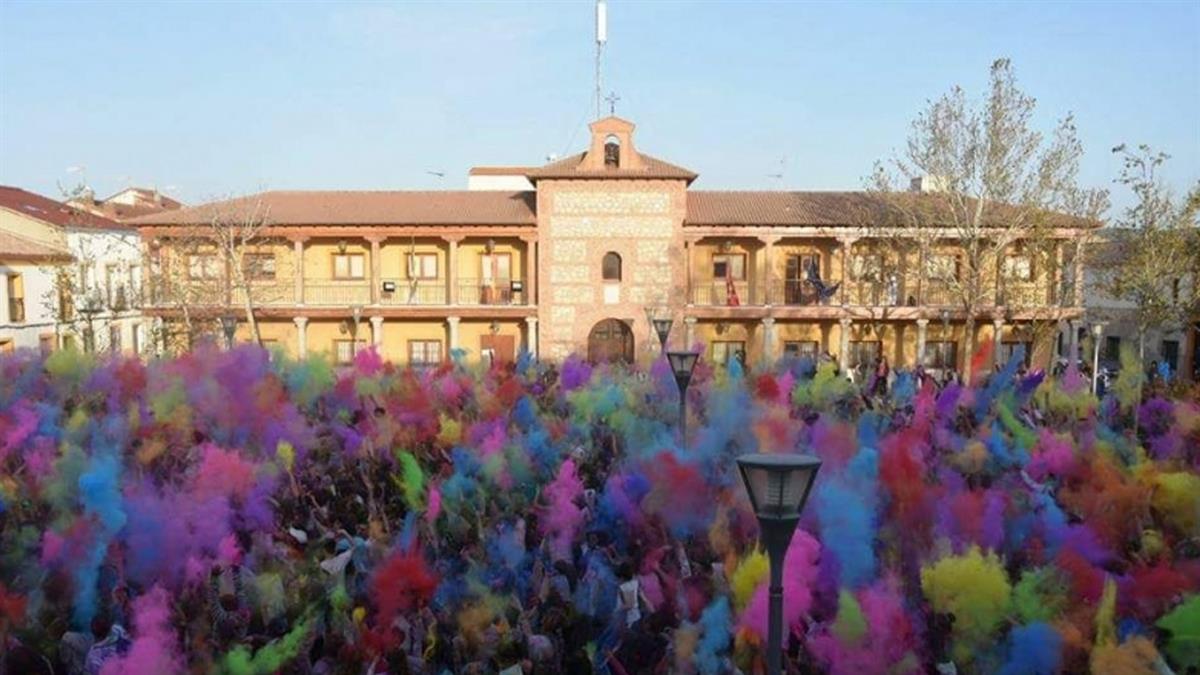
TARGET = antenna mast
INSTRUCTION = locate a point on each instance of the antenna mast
(601, 39)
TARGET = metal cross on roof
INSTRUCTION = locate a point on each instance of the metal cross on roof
(612, 99)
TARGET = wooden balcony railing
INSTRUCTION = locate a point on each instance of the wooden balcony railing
(340, 293)
(794, 293)
(718, 293)
(490, 292)
(413, 292)
(266, 294)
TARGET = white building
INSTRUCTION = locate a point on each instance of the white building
(82, 284)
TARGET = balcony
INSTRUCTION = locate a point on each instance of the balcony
(413, 292)
(722, 293)
(794, 293)
(337, 293)
(490, 292)
(266, 294)
(876, 294)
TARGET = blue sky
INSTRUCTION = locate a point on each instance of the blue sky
(218, 98)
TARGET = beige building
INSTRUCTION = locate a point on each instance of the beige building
(579, 255)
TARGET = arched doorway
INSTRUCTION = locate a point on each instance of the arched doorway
(610, 341)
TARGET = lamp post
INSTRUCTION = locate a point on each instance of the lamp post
(662, 327)
(778, 486)
(1097, 331)
(228, 327)
(682, 364)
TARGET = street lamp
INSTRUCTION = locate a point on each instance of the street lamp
(1097, 331)
(778, 486)
(682, 364)
(229, 327)
(662, 327)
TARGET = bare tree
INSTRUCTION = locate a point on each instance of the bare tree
(989, 186)
(208, 269)
(1151, 254)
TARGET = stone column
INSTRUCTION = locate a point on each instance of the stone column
(376, 271)
(377, 332)
(997, 333)
(922, 328)
(298, 272)
(689, 332)
(687, 261)
(844, 346)
(301, 336)
(452, 273)
(1073, 341)
(768, 352)
(531, 271)
(769, 269)
(846, 243)
(452, 322)
(1078, 299)
(531, 336)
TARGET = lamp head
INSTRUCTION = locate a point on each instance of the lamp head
(682, 364)
(778, 484)
(662, 327)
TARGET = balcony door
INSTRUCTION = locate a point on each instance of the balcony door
(796, 289)
(495, 276)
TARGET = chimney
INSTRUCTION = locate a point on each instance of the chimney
(928, 184)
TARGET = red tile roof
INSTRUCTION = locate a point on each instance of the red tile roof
(18, 248)
(362, 208)
(569, 168)
(49, 211)
(500, 170)
(778, 208)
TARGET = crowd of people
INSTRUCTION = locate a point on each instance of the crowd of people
(234, 511)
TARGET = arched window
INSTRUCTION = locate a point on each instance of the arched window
(610, 268)
(612, 152)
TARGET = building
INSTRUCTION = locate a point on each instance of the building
(126, 204)
(1114, 321)
(577, 256)
(82, 284)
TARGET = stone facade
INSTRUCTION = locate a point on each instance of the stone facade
(582, 220)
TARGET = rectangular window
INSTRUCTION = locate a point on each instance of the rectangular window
(1112, 348)
(66, 295)
(1018, 268)
(349, 266)
(729, 266)
(864, 352)
(423, 353)
(258, 266)
(866, 267)
(139, 340)
(941, 355)
(942, 267)
(16, 298)
(114, 339)
(87, 278)
(1170, 353)
(203, 266)
(343, 350)
(46, 342)
(725, 351)
(422, 266)
(803, 349)
(114, 289)
(1007, 349)
(6, 346)
(135, 284)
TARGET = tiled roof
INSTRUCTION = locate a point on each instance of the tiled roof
(569, 168)
(778, 208)
(14, 247)
(500, 170)
(362, 208)
(49, 211)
